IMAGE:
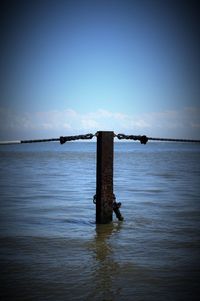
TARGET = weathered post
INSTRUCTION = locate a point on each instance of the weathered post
(104, 177)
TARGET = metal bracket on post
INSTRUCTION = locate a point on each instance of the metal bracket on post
(104, 177)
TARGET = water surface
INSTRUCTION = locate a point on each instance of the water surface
(51, 248)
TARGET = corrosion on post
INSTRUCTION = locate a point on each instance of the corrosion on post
(104, 177)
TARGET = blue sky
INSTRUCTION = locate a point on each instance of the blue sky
(80, 66)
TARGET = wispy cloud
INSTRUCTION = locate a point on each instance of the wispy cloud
(172, 123)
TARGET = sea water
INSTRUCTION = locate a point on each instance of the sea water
(51, 248)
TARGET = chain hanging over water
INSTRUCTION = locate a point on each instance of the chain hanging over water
(78, 137)
(144, 139)
(62, 139)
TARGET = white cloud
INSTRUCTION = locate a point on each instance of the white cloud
(183, 123)
(89, 124)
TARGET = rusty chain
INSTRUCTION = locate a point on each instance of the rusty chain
(115, 205)
(64, 139)
(143, 139)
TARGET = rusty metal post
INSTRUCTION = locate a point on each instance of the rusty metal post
(104, 177)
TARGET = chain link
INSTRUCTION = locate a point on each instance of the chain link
(116, 206)
(64, 139)
(143, 139)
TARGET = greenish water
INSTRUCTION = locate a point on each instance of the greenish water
(51, 248)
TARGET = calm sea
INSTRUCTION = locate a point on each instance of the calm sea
(50, 247)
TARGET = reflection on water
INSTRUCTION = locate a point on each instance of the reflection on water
(106, 266)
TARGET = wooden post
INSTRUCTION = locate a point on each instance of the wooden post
(104, 178)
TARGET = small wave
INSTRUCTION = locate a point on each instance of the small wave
(77, 222)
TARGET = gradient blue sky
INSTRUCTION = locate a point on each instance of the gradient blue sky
(71, 67)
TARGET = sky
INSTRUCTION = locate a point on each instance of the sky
(75, 67)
